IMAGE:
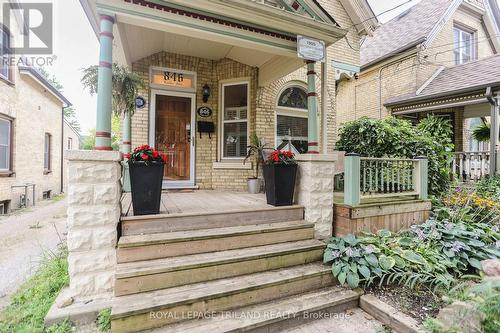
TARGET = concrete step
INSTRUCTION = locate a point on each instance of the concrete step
(149, 224)
(179, 243)
(136, 277)
(282, 314)
(133, 313)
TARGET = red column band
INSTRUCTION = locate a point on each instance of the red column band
(103, 134)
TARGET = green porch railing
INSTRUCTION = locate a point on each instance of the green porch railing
(369, 178)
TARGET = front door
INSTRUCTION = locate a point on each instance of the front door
(174, 136)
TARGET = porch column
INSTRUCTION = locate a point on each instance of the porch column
(494, 167)
(104, 84)
(126, 135)
(312, 118)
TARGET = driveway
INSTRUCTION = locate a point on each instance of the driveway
(24, 237)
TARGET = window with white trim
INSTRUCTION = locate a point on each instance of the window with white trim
(235, 119)
(46, 153)
(5, 144)
(463, 46)
(70, 143)
(291, 120)
(4, 53)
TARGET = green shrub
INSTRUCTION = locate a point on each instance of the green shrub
(32, 301)
(393, 137)
(489, 187)
(447, 246)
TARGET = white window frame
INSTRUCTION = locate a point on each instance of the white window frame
(47, 148)
(224, 84)
(460, 45)
(9, 145)
(70, 143)
(4, 33)
(287, 111)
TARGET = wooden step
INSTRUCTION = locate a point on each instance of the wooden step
(133, 313)
(270, 316)
(136, 277)
(149, 224)
(173, 244)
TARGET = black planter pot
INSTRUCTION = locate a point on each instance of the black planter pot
(145, 183)
(280, 183)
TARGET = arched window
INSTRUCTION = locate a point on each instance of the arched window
(291, 119)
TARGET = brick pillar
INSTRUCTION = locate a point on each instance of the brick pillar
(93, 214)
(314, 190)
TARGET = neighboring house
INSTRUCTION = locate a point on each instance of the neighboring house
(439, 57)
(243, 57)
(31, 121)
(71, 140)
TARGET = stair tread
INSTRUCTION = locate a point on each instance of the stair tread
(154, 300)
(161, 265)
(257, 315)
(231, 211)
(188, 235)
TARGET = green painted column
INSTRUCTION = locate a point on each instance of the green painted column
(352, 179)
(104, 83)
(312, 117)
(126, 133)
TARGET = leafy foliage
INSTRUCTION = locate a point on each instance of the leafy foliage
(256, 149)
(393, 137)
(89, 140)
(450, 244)
(489, 187)
(125, 87)
(103, 320)
(147, 155)
(32, 301)
(482, 132)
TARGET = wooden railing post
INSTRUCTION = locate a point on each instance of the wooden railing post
(421, 176)
(352, 181)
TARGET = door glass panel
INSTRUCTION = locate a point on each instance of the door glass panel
(173, 135)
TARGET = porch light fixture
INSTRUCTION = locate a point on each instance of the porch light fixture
(206, 93)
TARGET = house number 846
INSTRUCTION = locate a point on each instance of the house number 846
(176, 77)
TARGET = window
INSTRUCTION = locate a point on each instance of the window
(4, 53)
(291, 120)
(235, 120)
(46, 195)
(5, 144)
(47, 149)
(70, 143)
(463, 44)
(4, 207)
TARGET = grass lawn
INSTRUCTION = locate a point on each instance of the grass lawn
(30, 304)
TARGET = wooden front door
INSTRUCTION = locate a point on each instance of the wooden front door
(173, 135)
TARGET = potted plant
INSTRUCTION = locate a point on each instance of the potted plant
(146, 175)
(256, 149)
(280, 170)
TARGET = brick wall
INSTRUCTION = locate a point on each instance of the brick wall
(34, 112)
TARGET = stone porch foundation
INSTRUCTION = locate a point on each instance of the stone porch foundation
(94, 211)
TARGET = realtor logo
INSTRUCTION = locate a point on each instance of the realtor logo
(33, 23)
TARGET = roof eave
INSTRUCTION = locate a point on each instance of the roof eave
(43, 81)
(442, 94)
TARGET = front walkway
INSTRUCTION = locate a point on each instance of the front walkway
(201, 201)
(26, 236)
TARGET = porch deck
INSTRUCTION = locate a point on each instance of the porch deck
(201, 201)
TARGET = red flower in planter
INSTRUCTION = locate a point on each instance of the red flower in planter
(155, 154)
(281, 157)
(145, 154)
(127, 156)
(144, 157)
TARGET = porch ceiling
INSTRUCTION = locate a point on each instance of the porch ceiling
(146, 41)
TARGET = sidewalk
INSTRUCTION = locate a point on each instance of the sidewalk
(24, 237)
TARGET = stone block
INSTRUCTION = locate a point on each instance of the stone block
(83, 263)
(104, 282)
(104, 237)
(81, 285)
(80, 194)
(107, 194)
(93, 215)
(79, 239)
(93, 172)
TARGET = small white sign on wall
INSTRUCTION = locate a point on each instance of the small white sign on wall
(310, 48)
